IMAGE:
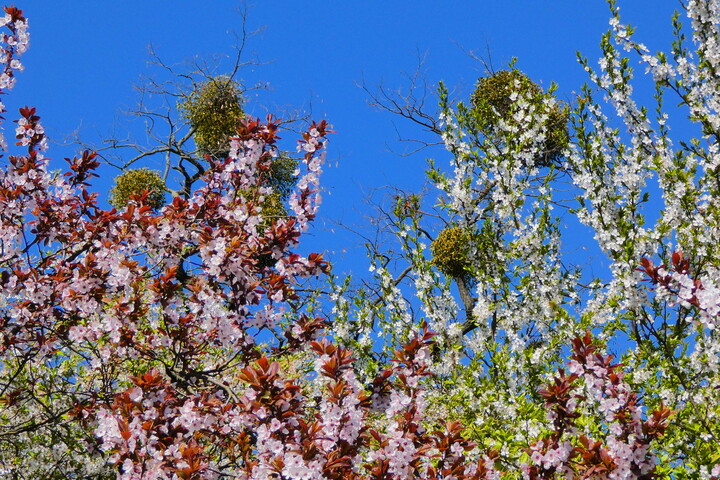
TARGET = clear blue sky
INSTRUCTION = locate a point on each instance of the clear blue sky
(86, 56)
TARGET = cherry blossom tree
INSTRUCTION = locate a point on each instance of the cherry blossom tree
(171, 342)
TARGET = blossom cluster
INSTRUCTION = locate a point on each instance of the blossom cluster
(677, 284)
(625, 452)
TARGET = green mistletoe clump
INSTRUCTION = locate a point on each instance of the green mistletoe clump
(135, 182)
(213, 110)
(450, 251)
(492, 103)
(281, 177)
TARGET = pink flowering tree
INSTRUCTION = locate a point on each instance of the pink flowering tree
(171, 343)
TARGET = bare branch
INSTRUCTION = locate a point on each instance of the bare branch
(409, 102)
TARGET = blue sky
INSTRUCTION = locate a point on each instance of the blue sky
(85, 57)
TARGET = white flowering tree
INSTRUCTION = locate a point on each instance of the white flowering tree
(494, 276)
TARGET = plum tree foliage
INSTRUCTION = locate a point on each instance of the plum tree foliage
(193, 340)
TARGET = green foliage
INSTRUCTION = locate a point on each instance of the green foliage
(135, 182)
(213, 110)
(493, 101)
(272, 209)
(450, 251)
(282, 175)
(407, 206)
